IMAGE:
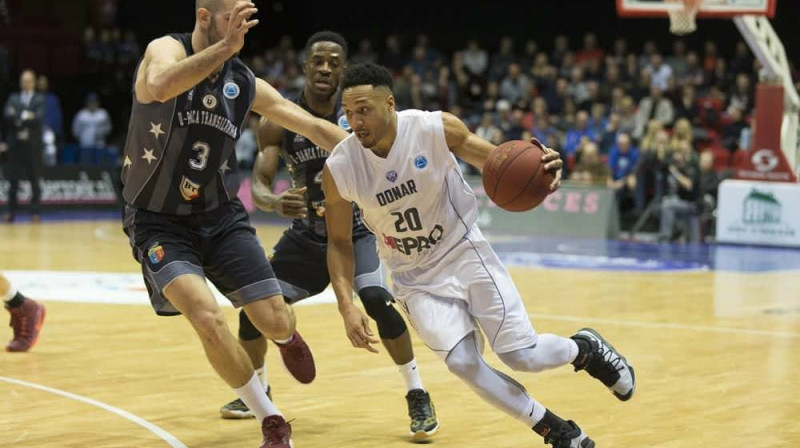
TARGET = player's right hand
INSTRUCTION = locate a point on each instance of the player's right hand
(356, 325)
(292, 203)
(240, 24)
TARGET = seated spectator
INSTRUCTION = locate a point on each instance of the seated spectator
(681, 197)
(486, 128)
(687, 107)
(742, 96)
(590, 170)
(581, 129)
(598, 121)
(476, 59)
(622, 162)
(694, 74)
(364, 53)
(627, 115)
(543, 130)
(732, 132)
(682, 135)
(610, 134)
(515, 85)
(711, 108)
(393, 56)
(660, 73)
(654, 106)
(650, 166)
(590, 51)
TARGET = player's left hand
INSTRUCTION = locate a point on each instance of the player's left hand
(552, 163)
(356, 324)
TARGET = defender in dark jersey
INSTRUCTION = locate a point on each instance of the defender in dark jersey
(299, 258)
(192, 96)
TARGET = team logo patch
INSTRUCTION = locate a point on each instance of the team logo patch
(210, 101)
(343, 123)
(231, 90)
(189, 190)
(420, 162)
(391, 176)
(155, 253)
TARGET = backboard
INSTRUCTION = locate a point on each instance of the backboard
(708, 9)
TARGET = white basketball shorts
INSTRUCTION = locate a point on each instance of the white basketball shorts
(469, 284)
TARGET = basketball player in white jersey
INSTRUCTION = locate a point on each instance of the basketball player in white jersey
(400, 168)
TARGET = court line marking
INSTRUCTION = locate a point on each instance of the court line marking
(665, 325)
(162, 434)
(96, 291)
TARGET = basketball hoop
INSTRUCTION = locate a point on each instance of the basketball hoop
(682, 16)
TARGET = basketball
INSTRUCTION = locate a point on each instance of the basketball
(514, 177)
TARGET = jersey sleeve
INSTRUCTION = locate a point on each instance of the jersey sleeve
(434, 128)
(339, 169)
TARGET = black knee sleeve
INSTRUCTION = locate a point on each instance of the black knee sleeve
(376, 302)
(247, 331)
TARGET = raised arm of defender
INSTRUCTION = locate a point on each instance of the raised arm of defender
(167, 72)
(275, 108)
(341, 264)
(475, 150)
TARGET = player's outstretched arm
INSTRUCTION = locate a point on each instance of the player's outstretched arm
(166, 72)
(272, 106)
(341, 264)
(475, 150)
(290, 203)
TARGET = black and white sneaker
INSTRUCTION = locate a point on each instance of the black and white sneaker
(237, 410)
(602, 361)
(569, 436)
(424, 423)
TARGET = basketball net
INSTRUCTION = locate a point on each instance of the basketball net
(682, 17)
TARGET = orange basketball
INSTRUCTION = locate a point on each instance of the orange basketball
(514, 177)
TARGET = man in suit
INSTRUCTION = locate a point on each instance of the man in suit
(24, 115)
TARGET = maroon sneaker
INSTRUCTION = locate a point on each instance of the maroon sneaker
(26, 320)
(298, 359)
(277, 432)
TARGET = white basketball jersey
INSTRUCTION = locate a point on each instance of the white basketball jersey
(416, 200)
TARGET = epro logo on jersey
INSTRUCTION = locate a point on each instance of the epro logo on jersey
(415, 244)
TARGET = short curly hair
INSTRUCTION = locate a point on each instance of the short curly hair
(367, 74)
(327, 36)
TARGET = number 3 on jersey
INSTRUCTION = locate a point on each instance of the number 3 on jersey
(199, 163)
(407, 220)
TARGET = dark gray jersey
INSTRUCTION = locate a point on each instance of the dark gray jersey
(305, 161)
(179, 157)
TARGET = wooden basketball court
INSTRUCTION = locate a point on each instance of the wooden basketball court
(717, 356)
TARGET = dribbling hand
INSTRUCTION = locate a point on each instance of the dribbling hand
(239, 25)
(552, 162)
(356, 325)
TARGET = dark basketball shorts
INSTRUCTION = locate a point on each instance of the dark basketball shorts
(220, 245)
(301, 265)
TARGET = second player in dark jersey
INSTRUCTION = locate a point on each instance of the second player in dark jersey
(300, 257)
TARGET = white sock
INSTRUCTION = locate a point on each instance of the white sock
(254, 397)
(262, 375)
(411, 376)
(534, 414)
(284, 341)
(12, 291)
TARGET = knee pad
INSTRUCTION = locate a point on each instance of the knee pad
(377, 303)
(247, 331)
